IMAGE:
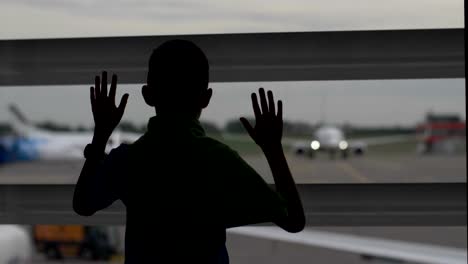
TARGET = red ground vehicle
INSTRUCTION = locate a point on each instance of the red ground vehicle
(442, 133)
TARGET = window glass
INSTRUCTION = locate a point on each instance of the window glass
(379, 131)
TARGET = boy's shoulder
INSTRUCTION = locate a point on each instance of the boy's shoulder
(205, 144)
(216, 147)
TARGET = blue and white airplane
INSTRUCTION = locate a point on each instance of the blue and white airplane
(29, 143)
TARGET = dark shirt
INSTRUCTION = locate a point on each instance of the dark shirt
(182, 190)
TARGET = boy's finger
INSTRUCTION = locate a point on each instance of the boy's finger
(104, 84)
(113, 88)
(255, 106)
(271, 103)
(247, 126)
(123, 103)
(97, 86)
(263, 101)
(91, 95)
(280, 110)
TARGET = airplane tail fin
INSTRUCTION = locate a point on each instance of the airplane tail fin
(14, 109)
(21, 125)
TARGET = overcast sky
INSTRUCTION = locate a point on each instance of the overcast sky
(78, 18)
(360, 102)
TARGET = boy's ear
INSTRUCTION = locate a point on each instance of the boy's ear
(206, 96)
(148, 95)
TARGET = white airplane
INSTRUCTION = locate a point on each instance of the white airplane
(31, 143)
(332, 140)
(15, 244)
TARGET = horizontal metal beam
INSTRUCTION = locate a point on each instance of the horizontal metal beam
(340, 55)
(375, 249)
(432, 204)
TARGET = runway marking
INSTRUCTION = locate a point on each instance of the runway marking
(353, 172)
(303, 169)
(391, 165)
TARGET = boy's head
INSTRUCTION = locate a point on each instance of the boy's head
(177, 83)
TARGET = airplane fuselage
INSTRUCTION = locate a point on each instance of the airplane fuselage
(44, 145)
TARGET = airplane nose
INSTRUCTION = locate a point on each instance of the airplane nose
(332, 142)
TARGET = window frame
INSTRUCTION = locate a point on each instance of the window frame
(341, 55)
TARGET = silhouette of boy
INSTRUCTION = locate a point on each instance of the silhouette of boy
(181, 188)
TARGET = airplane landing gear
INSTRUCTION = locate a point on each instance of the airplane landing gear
(311, 154)
(344, 154)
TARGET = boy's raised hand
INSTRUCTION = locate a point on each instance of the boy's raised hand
(106, 115)
(267, 134)
(268, 128)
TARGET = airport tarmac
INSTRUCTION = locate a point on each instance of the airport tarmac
(407, 168)
(366, 169)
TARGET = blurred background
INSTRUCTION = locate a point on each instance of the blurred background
(362, 131)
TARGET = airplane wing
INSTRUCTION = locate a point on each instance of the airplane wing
(399, 251)
(383, 139)
(245, 137)
(358, 145)
(363, 143)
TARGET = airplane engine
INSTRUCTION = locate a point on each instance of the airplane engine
(299, 151)
(344, 154)
(358, 151)
(304, 151)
